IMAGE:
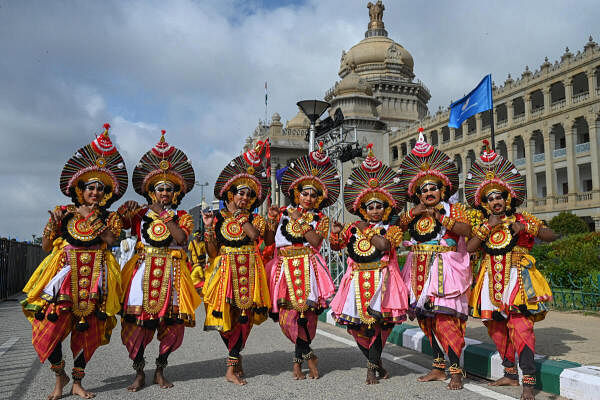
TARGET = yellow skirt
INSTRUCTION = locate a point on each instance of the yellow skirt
(216, 286)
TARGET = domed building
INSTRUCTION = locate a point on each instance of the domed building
(377, 93)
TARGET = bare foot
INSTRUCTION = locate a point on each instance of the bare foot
(313, 372)
(297, 372)
(371, 378)
(61, 382)
(159, 379)
(138, 383)
(504, 381)
(433, 375)
(383, 374)
(239, 370)
(527, 393)
(78, 390)
(455, 381)
(231, 376)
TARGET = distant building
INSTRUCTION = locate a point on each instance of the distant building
(547, 121)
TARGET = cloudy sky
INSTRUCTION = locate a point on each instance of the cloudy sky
(197, 69)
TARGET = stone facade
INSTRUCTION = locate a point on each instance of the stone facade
(547, 122)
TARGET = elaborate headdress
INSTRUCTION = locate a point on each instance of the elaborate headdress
(492, 172)
(98, 161)
(247, 170)
(373, 181)
(315, 171)
(163, 163)
(425, 164)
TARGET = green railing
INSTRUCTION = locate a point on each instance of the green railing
(575, 294)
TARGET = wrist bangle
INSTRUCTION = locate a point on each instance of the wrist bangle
(305, 228)
(242, 220)
(448, 222)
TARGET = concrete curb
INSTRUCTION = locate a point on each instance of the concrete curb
(566, 378)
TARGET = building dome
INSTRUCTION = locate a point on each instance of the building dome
(300, 121)
(352, 84)
(377, 53)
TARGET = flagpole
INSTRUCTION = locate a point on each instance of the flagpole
(493, 140)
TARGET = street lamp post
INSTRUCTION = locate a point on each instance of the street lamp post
(313, 109)
(202, 186)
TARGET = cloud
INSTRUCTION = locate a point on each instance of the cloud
(197, 69)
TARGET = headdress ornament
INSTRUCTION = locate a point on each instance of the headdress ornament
(492, 172)
(97, 161)
(314, 170)
(247, 170)
(370, 181)
(161, 163)
(426, 164)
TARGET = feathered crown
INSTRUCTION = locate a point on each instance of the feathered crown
(99, 161)
(315, 170)
(493, 172)
(427, 164)
(247, 170)
(163, 162)
(373, 180)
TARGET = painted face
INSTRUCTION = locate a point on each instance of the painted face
(93, 193)
(308, 198)
(164, 194)
(496, 203)
(243, 198)
(375, 211)
(430, 195)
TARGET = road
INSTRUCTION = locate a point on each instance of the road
(198, 366)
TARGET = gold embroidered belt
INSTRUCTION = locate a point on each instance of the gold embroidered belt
(366, 281)
(434, 248)
(86, 266)
(242, 261)
(157, 274)
(296, 267)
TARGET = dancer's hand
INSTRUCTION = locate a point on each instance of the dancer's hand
(336, 227)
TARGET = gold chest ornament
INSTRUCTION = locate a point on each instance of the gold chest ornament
(79, 228)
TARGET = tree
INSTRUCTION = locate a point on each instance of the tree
(566, 223)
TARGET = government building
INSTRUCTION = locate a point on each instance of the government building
(547, 121)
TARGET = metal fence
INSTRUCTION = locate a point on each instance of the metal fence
(17, 263)
(575, 294)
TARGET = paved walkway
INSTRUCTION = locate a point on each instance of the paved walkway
(571, 336)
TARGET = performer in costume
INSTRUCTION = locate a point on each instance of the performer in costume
(76, 289)
(236, 292)
(159, 294)
(437, 270)
(372, 296)
(197, 250)
(300, 282)
(509, 293)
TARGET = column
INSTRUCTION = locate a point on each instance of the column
(547, 100)
(509, 112)
(591, 82)
(527, 102)
(531, 187)
(550, 190)
(477, 125)
(571, 164)
(273, 184)
(594, 130)
(568, 91)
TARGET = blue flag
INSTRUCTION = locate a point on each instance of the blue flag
(480, 99)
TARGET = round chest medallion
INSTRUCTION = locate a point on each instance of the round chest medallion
(425, 225)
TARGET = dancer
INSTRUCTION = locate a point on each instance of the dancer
(159, 295)
(510, 292)
(372, 296)
(437, 270)
(76, 289)
(236, 292)
(197, 251)
(300, 282)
